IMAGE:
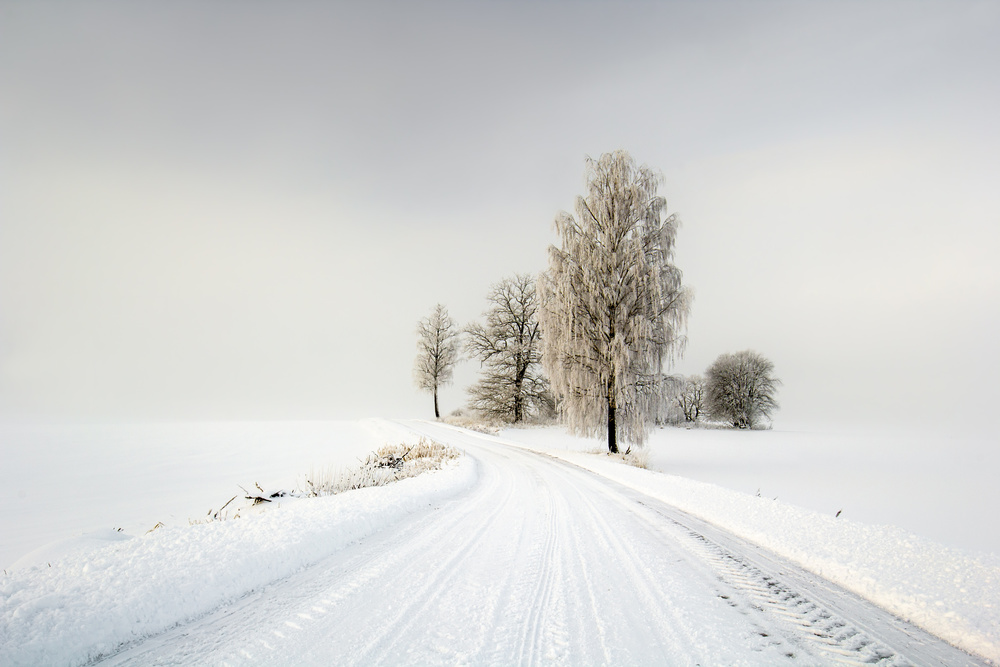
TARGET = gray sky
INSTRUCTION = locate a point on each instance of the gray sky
(240, 210)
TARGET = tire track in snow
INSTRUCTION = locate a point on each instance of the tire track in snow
(668, 627)
(332, 582)
(531, 579)
(382, 643)
(648, 617)
(587, 596)
(807, 626)
(544, 574)
(661, 552)
(633, 566)
(809, 615)
(812, 615)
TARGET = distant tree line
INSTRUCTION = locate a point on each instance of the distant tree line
(602, 322)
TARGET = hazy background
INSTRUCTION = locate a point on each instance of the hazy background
(240, 210)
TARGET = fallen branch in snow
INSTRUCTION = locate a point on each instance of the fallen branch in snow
(390, 460)
(257, 500)
(211, 516)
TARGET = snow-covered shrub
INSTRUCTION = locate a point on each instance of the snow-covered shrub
(637, 457)
(388, 464)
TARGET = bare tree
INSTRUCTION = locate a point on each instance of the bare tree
(691, 398)
(614, 308)
(740, 388)
(437, 352)
(509, 349)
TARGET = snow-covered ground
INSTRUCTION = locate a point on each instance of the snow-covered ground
(87, 604)
(941, 486)
(949, 591)
(61, 607)
(67, 486)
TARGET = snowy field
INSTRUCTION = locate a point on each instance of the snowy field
(62, 487)
(940, 486)
(59, 482)
(69, 594)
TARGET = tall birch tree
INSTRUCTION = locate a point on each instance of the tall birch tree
(509, 346)
(613, 305)
(437, 352)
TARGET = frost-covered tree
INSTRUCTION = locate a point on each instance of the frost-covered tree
(691, 398)
(437, 352)
(670, 389)
(509, 348)
(614, 308)
(740, 389)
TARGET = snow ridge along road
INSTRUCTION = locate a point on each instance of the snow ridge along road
(544, 562)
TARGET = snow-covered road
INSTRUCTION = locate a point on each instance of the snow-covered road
(544, 562)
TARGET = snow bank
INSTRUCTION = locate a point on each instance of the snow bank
(60, 481)
(939, 485)
(950, 593)
(83, 606)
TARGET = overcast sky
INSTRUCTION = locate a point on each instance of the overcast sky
(236, 210)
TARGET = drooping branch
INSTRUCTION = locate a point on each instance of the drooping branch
(614, 308)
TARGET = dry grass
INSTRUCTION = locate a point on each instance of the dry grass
(474, 422)
(390, 463)
(491, 425)
(636, 456)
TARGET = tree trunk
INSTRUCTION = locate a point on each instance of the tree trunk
(612, 398)
(518, 402)
(612, 430)
(437, 415)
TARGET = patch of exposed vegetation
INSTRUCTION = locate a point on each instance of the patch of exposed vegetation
(637, 457)
(474, 422)
(390, 463)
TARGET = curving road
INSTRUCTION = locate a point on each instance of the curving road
(542, 562)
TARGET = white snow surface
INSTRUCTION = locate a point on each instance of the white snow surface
(952, 593)
(85, 605)
(939, 485)
(68, 487)
(93, 593)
